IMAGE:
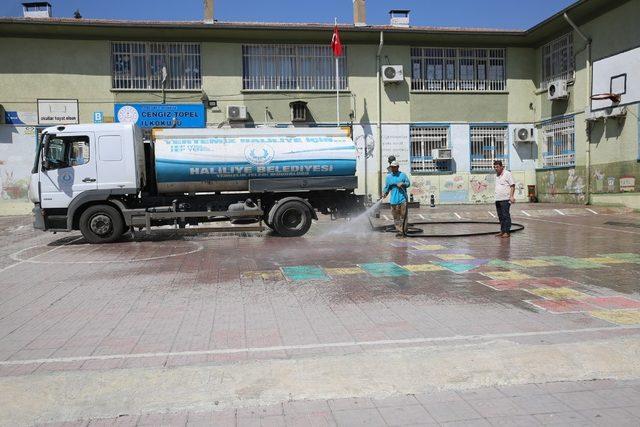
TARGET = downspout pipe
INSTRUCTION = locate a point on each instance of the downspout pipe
(587, 40)
(379, 102)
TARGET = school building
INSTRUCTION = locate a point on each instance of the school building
(557, 103)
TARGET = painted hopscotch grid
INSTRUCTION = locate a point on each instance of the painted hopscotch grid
(385, 269)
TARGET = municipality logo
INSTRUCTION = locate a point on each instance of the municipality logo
(259, 155)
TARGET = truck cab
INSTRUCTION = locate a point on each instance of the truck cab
(78, 164)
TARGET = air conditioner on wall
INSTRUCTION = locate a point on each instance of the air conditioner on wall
(557, 89)
(236, 112)
(392, 74)
(441, 154)
(523, 134)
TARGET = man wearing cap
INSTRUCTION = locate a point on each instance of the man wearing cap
(505, 190)
(397, 183)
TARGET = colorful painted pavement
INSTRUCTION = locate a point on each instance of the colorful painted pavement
(555, 295)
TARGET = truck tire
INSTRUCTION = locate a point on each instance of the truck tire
(292, 219)
(101, 224)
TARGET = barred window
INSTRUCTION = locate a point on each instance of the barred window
(488, 143)
(292, 68)
(559, 143)
(557, 60)
(154, 66)
(423, 140)
(458, 69)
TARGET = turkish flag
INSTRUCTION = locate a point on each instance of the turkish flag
(336, 44)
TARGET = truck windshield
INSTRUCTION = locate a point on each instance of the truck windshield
(41, 143)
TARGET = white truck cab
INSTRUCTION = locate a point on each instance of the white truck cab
(77, 163)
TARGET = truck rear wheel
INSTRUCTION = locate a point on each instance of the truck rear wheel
(292, 219)
(101, 224)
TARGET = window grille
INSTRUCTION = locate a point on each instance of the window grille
(423, 140)
(292, 68)
(488, 143)
(458, 69)
(152, 66)
(557, 60)
(559, 143)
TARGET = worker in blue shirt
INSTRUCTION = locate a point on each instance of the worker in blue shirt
(397, 183)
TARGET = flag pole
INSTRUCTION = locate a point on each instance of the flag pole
(337, 85)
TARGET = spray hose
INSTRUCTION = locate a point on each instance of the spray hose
(410, 229)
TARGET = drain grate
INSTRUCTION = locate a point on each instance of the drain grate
(623, 224)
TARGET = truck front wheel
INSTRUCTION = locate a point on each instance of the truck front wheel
(292, 219)
(101, 224)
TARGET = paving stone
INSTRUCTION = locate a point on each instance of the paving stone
(581, 400)
(514, 421)
(351, 403)
(406, 415)
(498, 407)
(359, 417)
(453, 410)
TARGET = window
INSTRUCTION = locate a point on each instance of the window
(423, 140)
(453, 69)
(291, 68)
(557, 60)
(559, 143)
(63, 152)
(488, 143)
(154, 66)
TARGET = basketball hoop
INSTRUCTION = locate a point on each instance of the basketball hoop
(613, 97)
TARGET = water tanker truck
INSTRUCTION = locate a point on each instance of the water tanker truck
(105, 179)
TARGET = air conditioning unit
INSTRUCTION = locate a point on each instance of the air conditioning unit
(557, 89)
(441, 154)
(523, 134)
(236, 112)
(392, 73)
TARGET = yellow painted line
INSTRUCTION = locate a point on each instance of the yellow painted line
(619, 317)
(558, 293)
(343, 271)
(265, 275)
(429, 247)
(506, 275)
(531, 263)
(604, 260)
(423, 267)
(454, 257)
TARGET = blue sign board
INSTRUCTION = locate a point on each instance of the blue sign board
(98, 117)
(149, 116)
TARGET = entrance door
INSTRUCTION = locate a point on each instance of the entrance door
(69, 168)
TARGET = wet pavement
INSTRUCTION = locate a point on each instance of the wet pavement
(259, 308)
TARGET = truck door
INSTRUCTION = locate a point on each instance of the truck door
(68, 168)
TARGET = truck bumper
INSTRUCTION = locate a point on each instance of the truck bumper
(38, 218)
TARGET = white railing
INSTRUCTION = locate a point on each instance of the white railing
(488, 143)
(557, 60)
(458, 70)
(559, 143)
(151, 65)
(423, 140)
(292, 68)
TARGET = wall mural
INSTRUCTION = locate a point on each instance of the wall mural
(569, 185)
(423, 186)
(17, 146)
(482, 188)
(454, 189)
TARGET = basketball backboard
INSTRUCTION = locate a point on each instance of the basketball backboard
(618, 74)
